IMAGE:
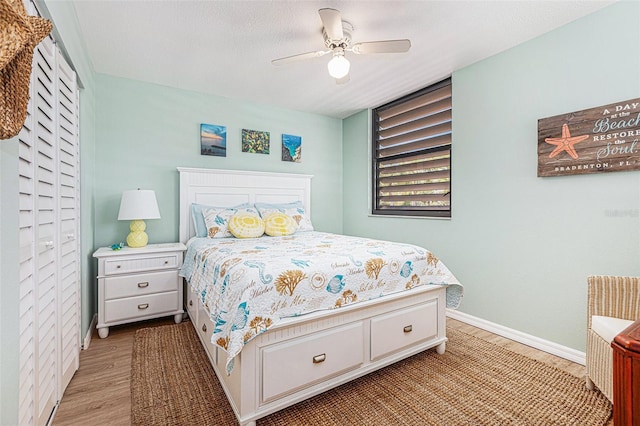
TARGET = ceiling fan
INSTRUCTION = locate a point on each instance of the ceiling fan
(337, 39)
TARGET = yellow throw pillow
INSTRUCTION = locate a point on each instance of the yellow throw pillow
(246, 225)
(279, 224)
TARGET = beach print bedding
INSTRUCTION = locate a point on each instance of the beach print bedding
(249, 285)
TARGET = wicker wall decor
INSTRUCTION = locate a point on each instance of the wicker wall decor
(19, 35)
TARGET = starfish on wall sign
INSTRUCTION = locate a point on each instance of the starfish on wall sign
(565, 143)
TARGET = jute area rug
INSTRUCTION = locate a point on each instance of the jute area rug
(474, 383)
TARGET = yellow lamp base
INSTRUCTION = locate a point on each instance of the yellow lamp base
(137, 237)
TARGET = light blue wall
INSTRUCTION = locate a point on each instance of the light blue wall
(144, 131)
(523, 246)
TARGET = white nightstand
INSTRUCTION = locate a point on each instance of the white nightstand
(138, 283)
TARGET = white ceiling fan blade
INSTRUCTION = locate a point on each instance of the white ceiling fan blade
(343, 80)
(387, 46)
(332, 23)
(299, 57)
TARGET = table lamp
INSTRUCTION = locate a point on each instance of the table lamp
(137, 205)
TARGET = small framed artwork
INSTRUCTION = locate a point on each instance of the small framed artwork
(213, 140)
(292, 148)
(255, 141)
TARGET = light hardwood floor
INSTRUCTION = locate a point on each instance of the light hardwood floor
(99, 393)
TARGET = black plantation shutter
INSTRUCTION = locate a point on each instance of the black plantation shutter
(412, 154)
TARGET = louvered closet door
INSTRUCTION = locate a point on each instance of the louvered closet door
(26, 183)
(69, 208)
(46, 301)
(49, 243)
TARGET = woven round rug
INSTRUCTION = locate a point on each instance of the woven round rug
(474, 383)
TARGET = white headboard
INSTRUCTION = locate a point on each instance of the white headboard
(226, 188)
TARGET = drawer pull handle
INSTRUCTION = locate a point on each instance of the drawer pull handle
(117, 266)
(144, 284)
(143, 306)
(408, 328)
(319, 358)
(166, 262)
(190, 302)
(204, 327)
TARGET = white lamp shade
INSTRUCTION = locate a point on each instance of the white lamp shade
(338, 66)
(138, 204)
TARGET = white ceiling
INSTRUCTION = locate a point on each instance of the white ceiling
(225, 48)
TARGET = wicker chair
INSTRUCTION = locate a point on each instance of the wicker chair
(617, 297)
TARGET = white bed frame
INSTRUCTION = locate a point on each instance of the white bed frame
(303, 356)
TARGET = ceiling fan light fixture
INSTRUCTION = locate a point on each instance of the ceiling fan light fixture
(338, 66)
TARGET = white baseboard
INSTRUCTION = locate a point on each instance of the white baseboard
(87, 337)
(518, 336)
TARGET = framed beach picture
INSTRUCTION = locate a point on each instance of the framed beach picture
(255, 141)
(292, 148)
(213, 140)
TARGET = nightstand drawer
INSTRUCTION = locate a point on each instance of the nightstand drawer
(141, 306)
(140, 264)
(141, 284)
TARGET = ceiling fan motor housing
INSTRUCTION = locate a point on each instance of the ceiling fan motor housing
(344, 42)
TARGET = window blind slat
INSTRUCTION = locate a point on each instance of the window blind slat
(429, 132)
(414, 158)
(428, 176)
(427, 98)
(412, 115)
(425, 187)
(420, 123)
(423, 165)
(394, 209)
(435, 199)
(416, 146)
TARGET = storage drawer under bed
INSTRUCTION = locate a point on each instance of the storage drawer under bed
(205, 329)
(403, 328)
(302, 362)
(191, 303)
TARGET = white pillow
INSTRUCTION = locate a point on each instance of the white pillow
(217, 222)
(608, 327)
(295, 210)
(198, 218)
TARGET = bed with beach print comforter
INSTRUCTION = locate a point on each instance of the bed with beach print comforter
(248, 285)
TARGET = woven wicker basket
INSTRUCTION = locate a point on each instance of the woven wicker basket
(19, 35)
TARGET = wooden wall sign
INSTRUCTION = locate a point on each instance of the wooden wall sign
(595, 140)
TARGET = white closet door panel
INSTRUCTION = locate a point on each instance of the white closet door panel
(68, 214)
(46, 330)
(26, 168)
(26, 172)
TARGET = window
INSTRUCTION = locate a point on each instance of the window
(412, 154)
